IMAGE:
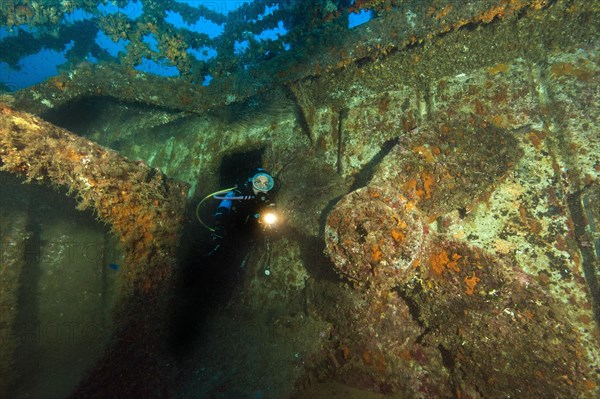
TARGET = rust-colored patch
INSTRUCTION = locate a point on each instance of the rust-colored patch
(443, 12)
(427, 183)
(532, 224)
(589, 385)
(380, 363)
(536, 138)
(441, 261)
(499, 121)
(405, 355)
(367, 358)
(529, 315)
(425, 153)
(72, 155)
(411, 190)
(384, 104)
(494, 12)
(59, 83)
(523, 214)
(345, 352)
(471, 282)
(376, 254)
(398, 236)
(410, 205)
(564, 69)
(416, 263)
(538, 374)
(480, 109)
(498, 68)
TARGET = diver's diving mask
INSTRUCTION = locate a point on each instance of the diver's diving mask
(263, 182)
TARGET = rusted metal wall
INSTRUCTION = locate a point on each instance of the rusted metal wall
(144, 209)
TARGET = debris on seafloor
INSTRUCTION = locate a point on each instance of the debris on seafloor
(144, 209)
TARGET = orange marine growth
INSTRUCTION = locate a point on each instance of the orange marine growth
(471, 283)
(376, 254)
(425, 153)
(441, 262)
(398, 236)
(427, 183)
(438, 262)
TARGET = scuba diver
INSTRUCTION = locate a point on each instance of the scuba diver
(242, 209)
(243, 220)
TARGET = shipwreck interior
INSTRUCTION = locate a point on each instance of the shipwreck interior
(437, 168)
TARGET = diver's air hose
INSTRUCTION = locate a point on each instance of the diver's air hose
(204, 199)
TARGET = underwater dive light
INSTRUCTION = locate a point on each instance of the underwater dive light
(269, 218)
